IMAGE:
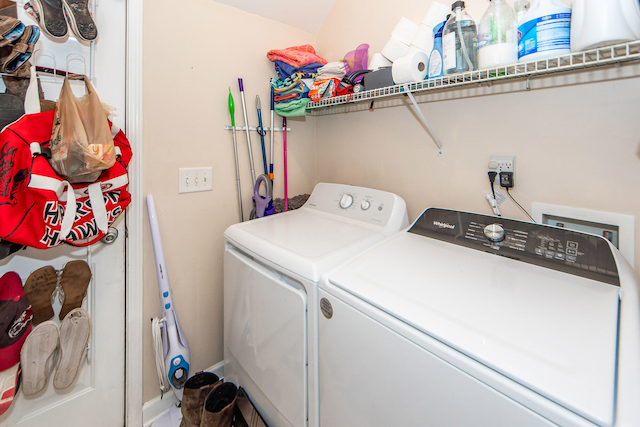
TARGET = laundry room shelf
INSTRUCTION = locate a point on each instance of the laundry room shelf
(605, 56)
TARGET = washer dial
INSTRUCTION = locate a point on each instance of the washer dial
(365, 205)
(346, 201)
(494, 232)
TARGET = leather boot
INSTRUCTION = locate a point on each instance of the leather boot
(219, 406)
(195, 391)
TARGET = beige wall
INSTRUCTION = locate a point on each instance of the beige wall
(576, 143)
(189, 62)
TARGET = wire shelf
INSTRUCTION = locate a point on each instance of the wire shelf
(605, 56)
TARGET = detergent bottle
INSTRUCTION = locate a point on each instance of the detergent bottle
(435, 59)
(545, 31)
(498, 36)
(459, 42)
(597, 23)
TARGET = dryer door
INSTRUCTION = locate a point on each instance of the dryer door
(265, 338)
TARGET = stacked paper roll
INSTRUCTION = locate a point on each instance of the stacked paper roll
(423, 39)
(405, 30)
(410, 68)
(437, 13)
(378, 61)
(394, 49)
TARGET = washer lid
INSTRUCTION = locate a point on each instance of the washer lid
(306, 242)
(550, 331)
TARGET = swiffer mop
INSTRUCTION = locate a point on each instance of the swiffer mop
(262, 133)
(235, 151)
(246, 123)
(172, 359)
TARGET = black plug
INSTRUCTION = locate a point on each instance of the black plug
(492, 179)
(506, 179)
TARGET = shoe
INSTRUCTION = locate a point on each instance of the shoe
(38, 289)
(195, 391)
(50, 17)
(74, 281)
(38, 357)
(74, 335)
(22, 50)
(219, 406)
(80, 20)
(11, 109)
(246, 413)
(10, 30)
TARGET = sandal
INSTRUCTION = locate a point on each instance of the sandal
(22, 50)
(74, 335)
(49, 15)
(74, 281)
(80, 20)
(38, 357)
(38, 289)
(10, 30)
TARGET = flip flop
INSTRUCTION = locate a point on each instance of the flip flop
(38, 289)
(49, 15)
(10, 30)
(38, 357)
(74, 281)
(22, 49)
(74, 335)
(80, 19)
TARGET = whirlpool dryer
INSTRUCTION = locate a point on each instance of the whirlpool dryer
(271, 270)
(472, 320)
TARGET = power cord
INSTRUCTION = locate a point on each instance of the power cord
(493, 202)
(158, 352)
(518, 204)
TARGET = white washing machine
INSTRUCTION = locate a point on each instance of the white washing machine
(271, 270)
(472, 320)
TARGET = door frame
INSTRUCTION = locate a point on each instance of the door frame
(134, 219)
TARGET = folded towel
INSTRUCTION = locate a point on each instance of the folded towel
(293, 108)
(285, 70)
(298, 56)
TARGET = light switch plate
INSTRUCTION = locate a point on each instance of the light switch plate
(195, 179)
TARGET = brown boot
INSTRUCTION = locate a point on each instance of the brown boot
(195, 391)
(219, 406)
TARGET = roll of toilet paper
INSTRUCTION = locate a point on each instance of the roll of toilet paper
(377, 61)
(413, 49)
(437, 13)
(410, 68)
(405, 30)
(394, 49)
(423, 38)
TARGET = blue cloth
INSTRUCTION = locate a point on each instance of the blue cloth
(284, 70)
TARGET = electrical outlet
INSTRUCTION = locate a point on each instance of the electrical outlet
(195, 179)
(501, 163)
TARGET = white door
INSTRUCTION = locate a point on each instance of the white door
(96, 398)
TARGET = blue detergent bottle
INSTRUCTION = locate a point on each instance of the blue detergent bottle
(435, 59)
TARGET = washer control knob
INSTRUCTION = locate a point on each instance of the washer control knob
(346, 201)
(365, 205)
(494, 232)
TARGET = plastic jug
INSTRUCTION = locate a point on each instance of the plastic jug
(545, 30)
(498, 36)
(597, 23)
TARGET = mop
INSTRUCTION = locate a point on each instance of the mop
(235, 151)
(172, 354)
(262, 133)
(271, 158)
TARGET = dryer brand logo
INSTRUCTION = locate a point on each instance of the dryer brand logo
(444, 225)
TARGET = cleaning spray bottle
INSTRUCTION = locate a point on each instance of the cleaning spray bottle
(435, 59)
(459, 42)
(498, 36)
(545, 31)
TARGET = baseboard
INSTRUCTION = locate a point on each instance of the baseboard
(157, 407)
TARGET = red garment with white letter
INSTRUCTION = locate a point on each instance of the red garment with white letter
(40, 209)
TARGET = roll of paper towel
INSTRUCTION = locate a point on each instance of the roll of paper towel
(423, 38)
(377, 61)
(405, 30)
(437, 13)
(410, 68)
(413, 49)
(394, 49)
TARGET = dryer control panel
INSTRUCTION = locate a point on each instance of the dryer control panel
(570, 251)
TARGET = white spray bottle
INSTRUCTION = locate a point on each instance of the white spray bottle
(174, 342)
